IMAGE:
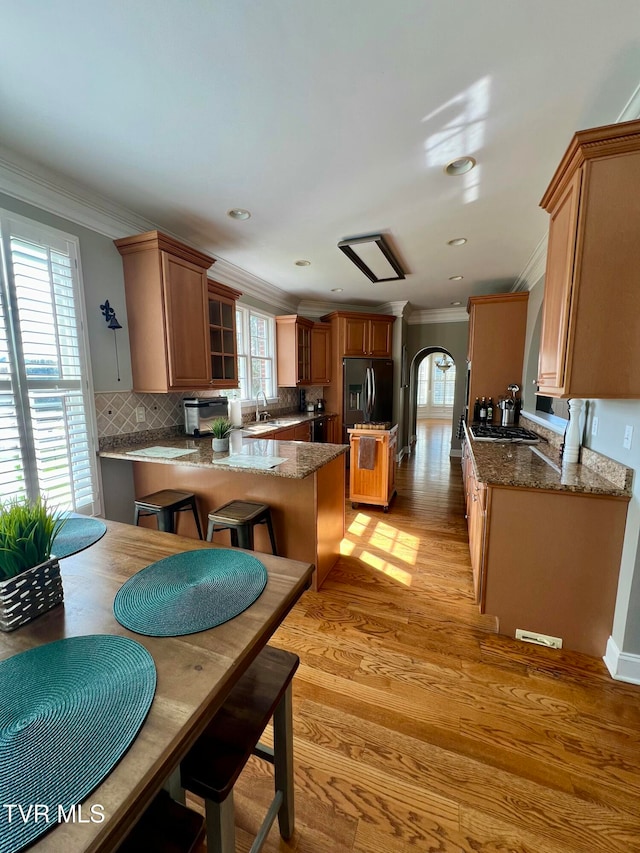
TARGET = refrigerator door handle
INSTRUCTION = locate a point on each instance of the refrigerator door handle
(367, 395)
(373, 390)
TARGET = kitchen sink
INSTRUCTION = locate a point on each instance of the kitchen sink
(278, 422)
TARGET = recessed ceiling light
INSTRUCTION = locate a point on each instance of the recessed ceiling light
(456, 277)
(238, 213)
(457, 241)
(336, 290)
(459, 166)
(303, 263)
(456, 303)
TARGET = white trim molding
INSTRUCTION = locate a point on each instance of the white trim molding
(534, 268)
(622, 665)
(438, 315)
(69, 200)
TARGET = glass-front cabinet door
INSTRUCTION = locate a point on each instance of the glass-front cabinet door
(222, 335)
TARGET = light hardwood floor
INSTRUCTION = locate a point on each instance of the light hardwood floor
(418, 728)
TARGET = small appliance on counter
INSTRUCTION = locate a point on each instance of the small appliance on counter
(302, 400)
(199, 412)
(510, 407)
(320, 405)
(311, 407)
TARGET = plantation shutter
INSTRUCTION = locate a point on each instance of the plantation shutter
(46, 426)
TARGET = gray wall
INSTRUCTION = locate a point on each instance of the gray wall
(613, 416)
(451, 337)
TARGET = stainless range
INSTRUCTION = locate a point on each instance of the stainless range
(495, 432)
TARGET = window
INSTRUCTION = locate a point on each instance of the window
(46, 434)
(436, 388)
(256, 352)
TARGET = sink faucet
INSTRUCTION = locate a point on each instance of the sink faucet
(258, 412)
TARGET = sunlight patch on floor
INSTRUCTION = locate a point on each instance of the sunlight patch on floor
(386, 568)
(347, 547)
(359, 524)
(402, 545)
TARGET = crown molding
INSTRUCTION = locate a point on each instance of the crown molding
(398, 309)
(438, 315)
(534, 268)
(251, 285)
(631, 109)
(63, 197)
(314, 309)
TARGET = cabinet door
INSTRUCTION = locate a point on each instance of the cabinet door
(380, 332)
(303, 348)
(356, 336)
(285, 434)
(222, 340)
(187, 331)
(477, 518)
(302, 432)
(557, 288)
(393, 452)
(321, 354)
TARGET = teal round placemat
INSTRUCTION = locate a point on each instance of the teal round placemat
(78, 532)
(69, 710)
(189, 592)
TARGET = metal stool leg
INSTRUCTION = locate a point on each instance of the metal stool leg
(271, 534)
(165, 521)
(221, 825)
(194, 510)
(283, 762)
(136, 516)
(210, 530)
(245, 536)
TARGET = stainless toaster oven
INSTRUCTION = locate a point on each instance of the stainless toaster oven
(199, 412)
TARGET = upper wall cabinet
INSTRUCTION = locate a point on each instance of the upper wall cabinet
(321, 354)
(363, 335)
(293, 342)
(167, 311)
(497, 326)
(591, 319)
(222, 335)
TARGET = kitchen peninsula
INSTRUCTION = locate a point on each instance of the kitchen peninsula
(303, 483)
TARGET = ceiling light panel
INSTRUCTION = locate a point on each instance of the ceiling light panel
(373, 256)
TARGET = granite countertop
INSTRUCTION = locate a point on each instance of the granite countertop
(298, 459)
(537, 466)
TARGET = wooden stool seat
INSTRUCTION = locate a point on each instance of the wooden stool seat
(240, 517)
(166, 827)
(164, 504)
(211, 768)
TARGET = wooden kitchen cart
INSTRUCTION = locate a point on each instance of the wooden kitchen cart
(374, 486)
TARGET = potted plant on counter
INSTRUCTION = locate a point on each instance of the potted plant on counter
(30, 582)
(220, 429)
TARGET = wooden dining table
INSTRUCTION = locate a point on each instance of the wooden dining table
(195, 673)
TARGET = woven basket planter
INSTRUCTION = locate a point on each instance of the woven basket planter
(30, 594)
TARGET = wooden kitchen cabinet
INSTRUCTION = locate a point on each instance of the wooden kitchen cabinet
(497, 326)
(352, 335)
(378, 485)
(222, 335)
(540, 561)
(167, 313)
(321, 354)
(590, 321)
(293, 344)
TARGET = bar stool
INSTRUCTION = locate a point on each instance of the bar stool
(164, 504)
(240, 517)
(211, 768)
(166, 827)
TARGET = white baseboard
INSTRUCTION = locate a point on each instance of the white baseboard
(622, 665)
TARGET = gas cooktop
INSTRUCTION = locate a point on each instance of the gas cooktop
(495, 432)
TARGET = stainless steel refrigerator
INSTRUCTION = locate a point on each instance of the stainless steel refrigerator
(368, 391)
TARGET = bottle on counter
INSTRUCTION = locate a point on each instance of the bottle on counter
(490, 411)
(476, 410)
(483, 411)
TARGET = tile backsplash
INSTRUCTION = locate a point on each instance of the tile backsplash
(116, 411)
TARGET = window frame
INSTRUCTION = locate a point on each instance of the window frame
(17, 383)
(243, 327)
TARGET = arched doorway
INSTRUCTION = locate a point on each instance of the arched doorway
(432, 383)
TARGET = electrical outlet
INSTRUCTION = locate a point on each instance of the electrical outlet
(594, 425)
(539, 639)
(628, 435)
(141, 415)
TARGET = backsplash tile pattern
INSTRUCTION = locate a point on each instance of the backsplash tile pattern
(116, 411)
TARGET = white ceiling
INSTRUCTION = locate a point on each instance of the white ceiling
(326, 119)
